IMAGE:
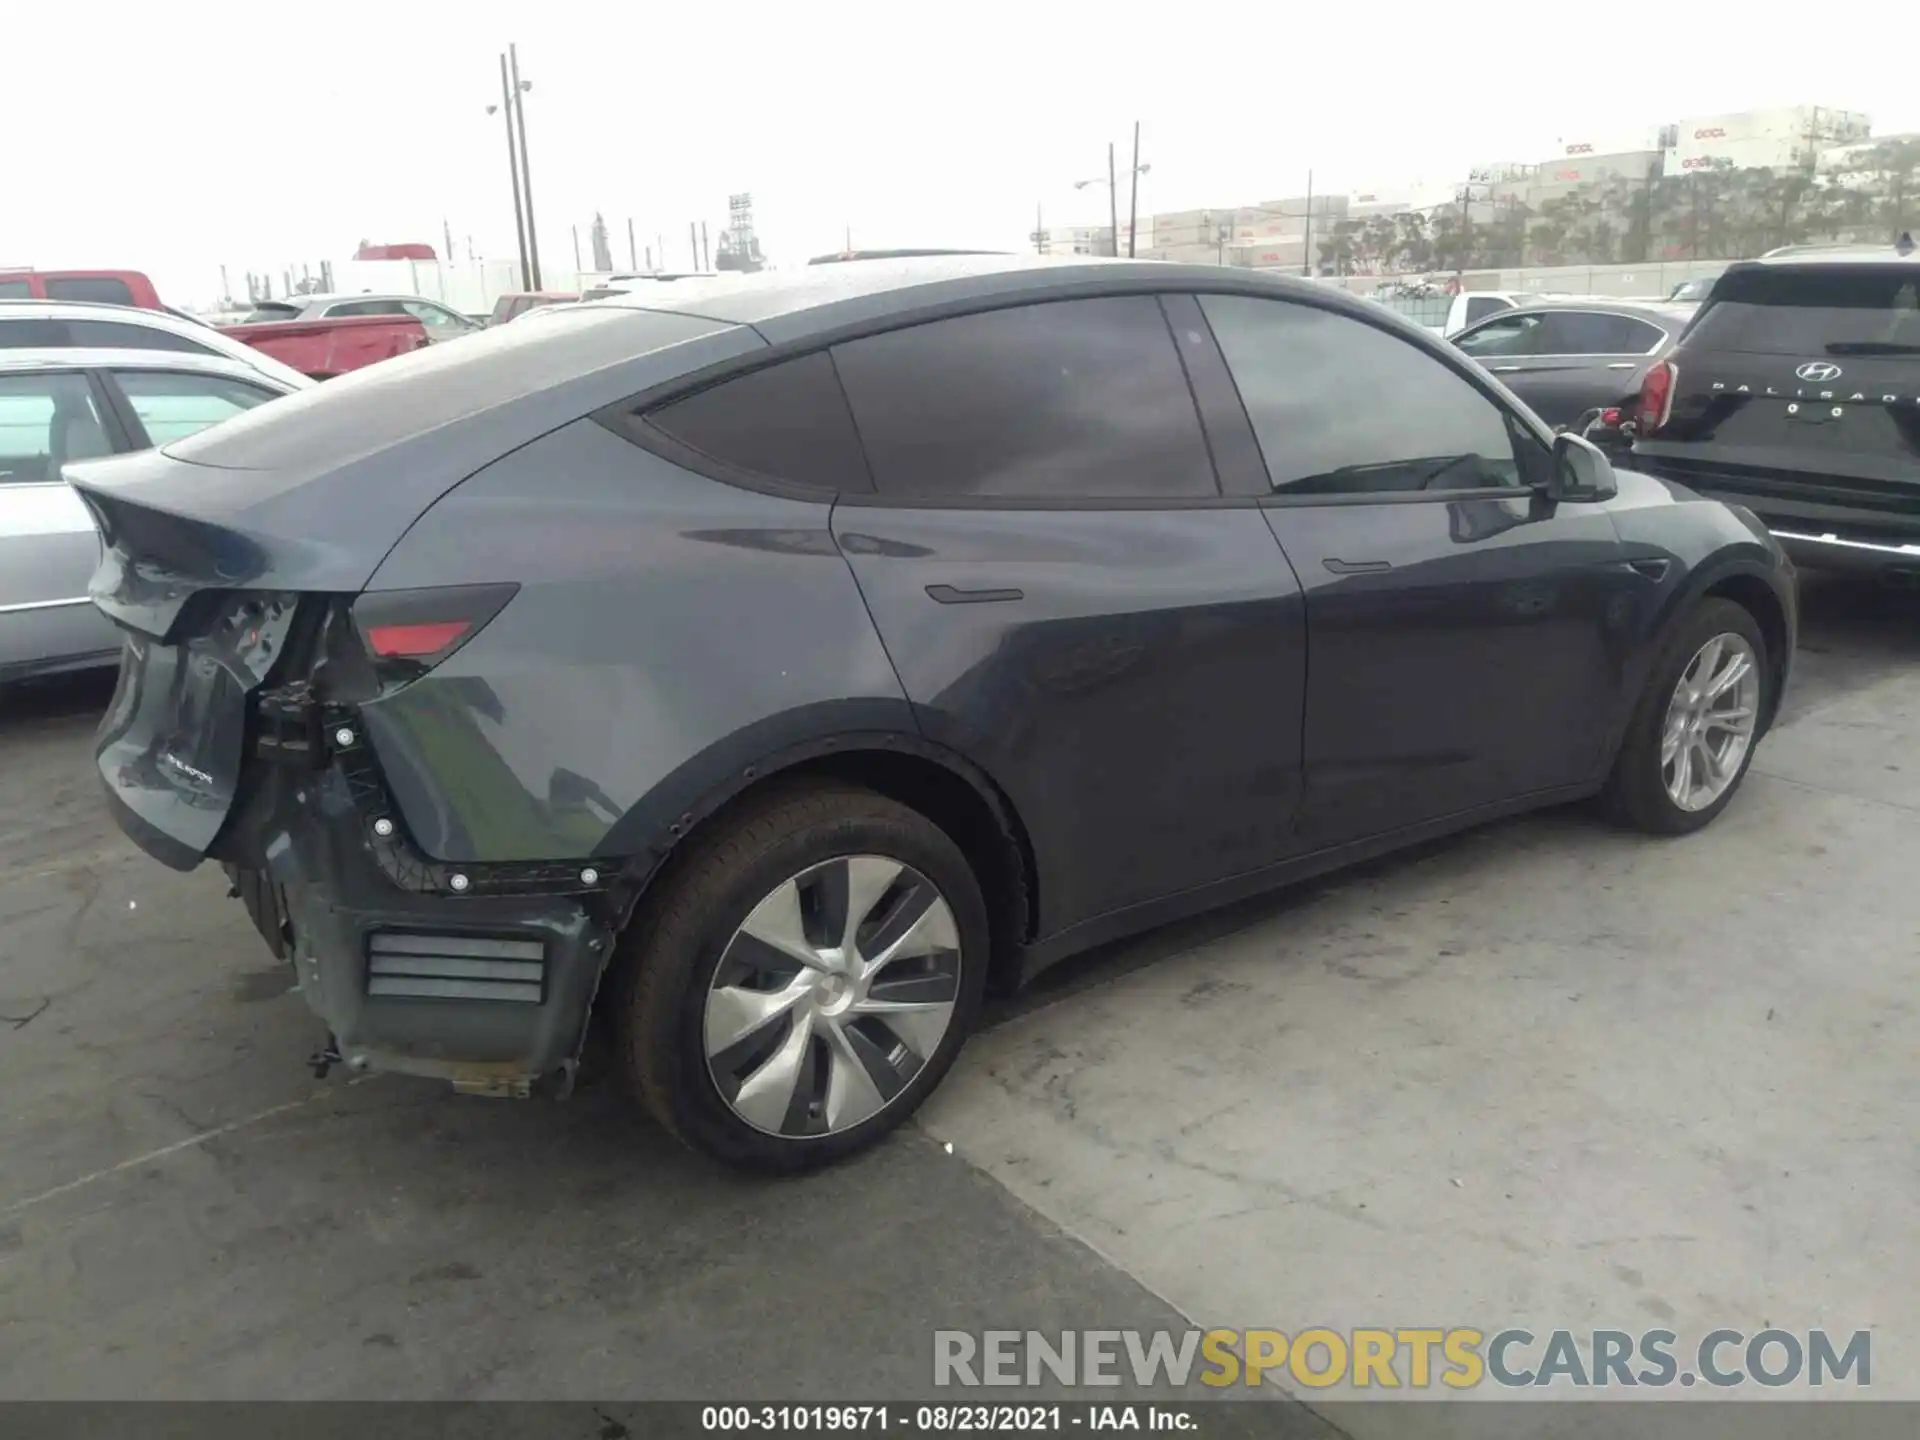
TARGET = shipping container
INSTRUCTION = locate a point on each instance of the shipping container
(1804, 122)
(1610, 143)
(1761, 153)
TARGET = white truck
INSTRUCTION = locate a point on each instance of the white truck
(1431, 307)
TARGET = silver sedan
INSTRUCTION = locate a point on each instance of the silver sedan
(74, 404)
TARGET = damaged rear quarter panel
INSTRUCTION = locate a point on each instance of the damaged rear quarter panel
(659, 613)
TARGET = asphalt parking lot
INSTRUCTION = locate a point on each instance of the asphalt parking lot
(1541, 1074)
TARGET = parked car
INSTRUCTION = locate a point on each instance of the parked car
(71, 404)
(93, 287)
(1690, 292)
(776, 670)
(1796, 392)
(1577, 363)
(59, 325)
(620, 284)
(1433, 309)
(441, 322)
(517, 303)
(325, 347)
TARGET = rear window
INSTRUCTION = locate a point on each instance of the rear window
(366, 410)
(1829, 309)
(15, 290)
(95, 289)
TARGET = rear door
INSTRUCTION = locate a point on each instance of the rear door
(1798, 394)
(1461, 628)
(48, 545)
(1563, 363)
(1070, 601)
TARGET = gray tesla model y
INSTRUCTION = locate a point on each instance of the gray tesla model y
(767, 665)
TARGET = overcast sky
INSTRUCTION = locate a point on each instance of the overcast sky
(186, 136)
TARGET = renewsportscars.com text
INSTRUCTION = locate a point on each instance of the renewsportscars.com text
(1459, 1358)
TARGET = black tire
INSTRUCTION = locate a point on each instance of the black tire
(1636, 792)
(682, 928)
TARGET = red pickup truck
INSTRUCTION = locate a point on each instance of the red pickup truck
(319, 348)
(326, 348)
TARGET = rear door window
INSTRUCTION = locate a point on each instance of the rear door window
(1594, 332)
(15, 290)
(787, 422)
(46, 420)
(1481, 306)
(37, 332)
(172, 405)
(1813, 310)
(95, 289)
(1074, 400)
(112, 335)
(367, 307)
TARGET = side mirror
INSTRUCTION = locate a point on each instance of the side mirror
(1581, 471)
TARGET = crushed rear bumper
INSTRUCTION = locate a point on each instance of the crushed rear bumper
(480, 975)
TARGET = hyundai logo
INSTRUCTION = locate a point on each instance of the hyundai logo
(1819, 371)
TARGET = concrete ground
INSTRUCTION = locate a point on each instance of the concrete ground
(1544, 1074)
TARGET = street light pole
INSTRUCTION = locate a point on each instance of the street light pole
(1133, 194)
(526, 170)
(513, 168)
(1113, 200)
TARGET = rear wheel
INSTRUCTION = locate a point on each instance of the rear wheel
(1691, 737)
(803, 979)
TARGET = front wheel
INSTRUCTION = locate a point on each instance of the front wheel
(804, 979)
(1691, 738)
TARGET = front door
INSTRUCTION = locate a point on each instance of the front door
(1070, 602)
(1461, 628)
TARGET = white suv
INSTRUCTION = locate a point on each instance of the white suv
(70, 325)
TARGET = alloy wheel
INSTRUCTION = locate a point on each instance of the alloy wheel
(831, 996)
(1710, 722)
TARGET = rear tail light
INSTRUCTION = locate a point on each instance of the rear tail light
(1610, 416)
(408, 632)
(1656, 395)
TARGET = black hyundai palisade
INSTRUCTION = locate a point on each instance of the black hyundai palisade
(1796, 393)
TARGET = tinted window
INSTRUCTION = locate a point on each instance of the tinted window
(46, 420)
(1481, 306)
(1818, 310)
(37, 333)
(99, 289)
(788, 422)
(367, 307)
(172, 406)
(1591, 332)
(1080, 399)
(437, 318)
(15, 290)
(111, 335)
(1516, 334)
(1340, 407)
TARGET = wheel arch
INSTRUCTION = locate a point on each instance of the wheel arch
(871, 749)
(1757, 597)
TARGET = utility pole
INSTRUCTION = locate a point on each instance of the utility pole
(446, 229)
(576, 250)
(706, 250)
(649, 259)
(513, 168)
(1306, 255)
(526, 168)
(633, 252)
(693, 243)
(1113, 201)
(1133, 193)
(226, 290)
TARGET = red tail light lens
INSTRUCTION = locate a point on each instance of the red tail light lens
(1610, 415)
(415, 642)
(408, 632)
(1656, 396)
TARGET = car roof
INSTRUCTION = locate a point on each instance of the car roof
(1639, 310)
(68, 357)
(790, 305)
(93, 310)
(1797, 255)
